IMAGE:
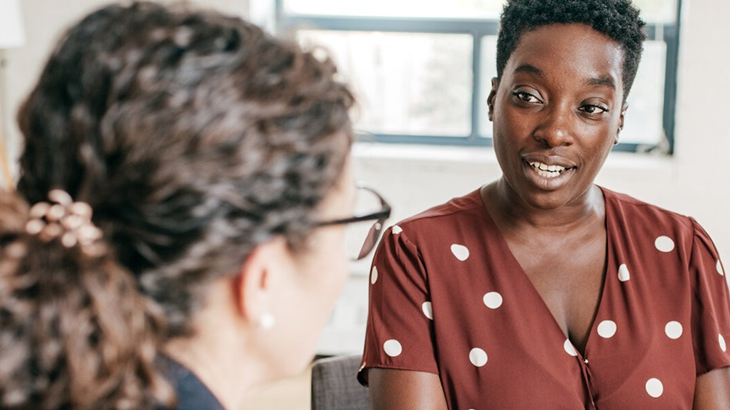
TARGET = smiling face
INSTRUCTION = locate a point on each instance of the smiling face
(557, 111)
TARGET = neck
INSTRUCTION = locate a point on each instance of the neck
(508, 207)
(218, 353)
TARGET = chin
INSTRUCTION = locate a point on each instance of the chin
(295, 355)
(285, 366)
(548, 201)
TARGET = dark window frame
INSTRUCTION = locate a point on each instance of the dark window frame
(478, 28)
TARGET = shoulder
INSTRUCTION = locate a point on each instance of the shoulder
(411, 238)
(637, 219)
(638, 212)
(462, 208)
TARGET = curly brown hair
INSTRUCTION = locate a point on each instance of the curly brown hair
(194, 137)
(74, 330)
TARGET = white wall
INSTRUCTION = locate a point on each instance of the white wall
(703, 132)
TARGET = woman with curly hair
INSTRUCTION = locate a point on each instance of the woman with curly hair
(189, 186)
(542, 290)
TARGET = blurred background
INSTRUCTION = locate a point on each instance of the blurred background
(421, 71)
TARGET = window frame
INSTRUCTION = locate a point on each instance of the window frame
(477, 29)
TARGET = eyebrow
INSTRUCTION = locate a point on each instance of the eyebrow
(595, 81)
(601, 81)
(529, 69)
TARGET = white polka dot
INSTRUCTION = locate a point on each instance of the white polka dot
(654, 387)
(607, 329)
(623, 273)
(374, 275)
(478, 357)
(719, 268)
(392, 348)
(723, 345)
(569, 348)
(427, 309)
(664, 244)
(493, 300)
(673, 330)
(396, 230)
(460, 251)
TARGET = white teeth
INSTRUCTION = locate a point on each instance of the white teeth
(547, 174)
(547, 171)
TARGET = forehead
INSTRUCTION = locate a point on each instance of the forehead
(568, 51)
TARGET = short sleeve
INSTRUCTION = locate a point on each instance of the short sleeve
(399, 331)
(711, 310)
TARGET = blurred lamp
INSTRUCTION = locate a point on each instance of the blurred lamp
(11, 35)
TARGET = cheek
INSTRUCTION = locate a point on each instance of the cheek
(511, 125)
(599, 139)
(506, 139)
(334, 264)
(314, 287)
(326, 270)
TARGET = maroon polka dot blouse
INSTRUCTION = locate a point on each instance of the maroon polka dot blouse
(448, 297)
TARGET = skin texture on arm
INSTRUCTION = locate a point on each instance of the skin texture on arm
(405, 390)
(713, 390)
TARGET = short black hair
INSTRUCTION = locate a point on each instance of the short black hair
(617, 19)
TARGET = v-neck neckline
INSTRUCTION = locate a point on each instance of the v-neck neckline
(524, 277)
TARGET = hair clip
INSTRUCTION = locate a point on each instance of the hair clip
(64, 219)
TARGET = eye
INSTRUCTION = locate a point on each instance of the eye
(594, 109)
(525, 96)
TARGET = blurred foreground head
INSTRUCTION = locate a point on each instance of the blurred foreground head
(194, 137)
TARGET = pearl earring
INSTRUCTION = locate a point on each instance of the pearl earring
(267, 321)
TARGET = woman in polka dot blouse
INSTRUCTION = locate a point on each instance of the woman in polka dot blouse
(542, 290)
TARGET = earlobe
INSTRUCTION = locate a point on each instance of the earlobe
(256, 283)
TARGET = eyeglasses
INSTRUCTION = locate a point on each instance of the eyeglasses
(364, 229)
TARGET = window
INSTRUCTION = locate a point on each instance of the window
(421, 69)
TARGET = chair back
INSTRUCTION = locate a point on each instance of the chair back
(335, 385)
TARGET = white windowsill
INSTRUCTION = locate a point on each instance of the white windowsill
(486, 154)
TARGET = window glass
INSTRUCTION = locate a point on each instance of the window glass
(414, 78)
(655, 11)
(397, 8)
(643, 120)
(406, 83)
(658, 11)
(489, 71)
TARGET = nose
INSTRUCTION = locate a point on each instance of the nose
(555, 128)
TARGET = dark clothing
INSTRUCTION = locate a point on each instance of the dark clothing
(192, 394)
